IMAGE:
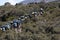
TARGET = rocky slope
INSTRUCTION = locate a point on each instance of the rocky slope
(43, 27)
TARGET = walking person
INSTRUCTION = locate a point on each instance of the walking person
(41, 11)
(15, 25)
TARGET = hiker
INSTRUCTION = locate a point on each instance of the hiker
(41, 11)
(34, 14)
(15, 24)
(19, 25)
(19, 22)
(11, 24)
(26, 16)
(22, 18)
(8, 26)
(3, 28)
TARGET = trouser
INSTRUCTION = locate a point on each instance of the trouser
(18, 29)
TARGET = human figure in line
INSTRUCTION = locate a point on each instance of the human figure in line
(19, 24)
(8, 26)
(22, 18)
(34, 14)
(11, 22)
(41, 11)
(15, 25)
(26, 16)
(3, 28)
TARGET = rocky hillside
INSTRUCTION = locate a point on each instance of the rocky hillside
(43, 27)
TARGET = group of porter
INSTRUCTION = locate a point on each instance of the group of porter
(16, 23)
